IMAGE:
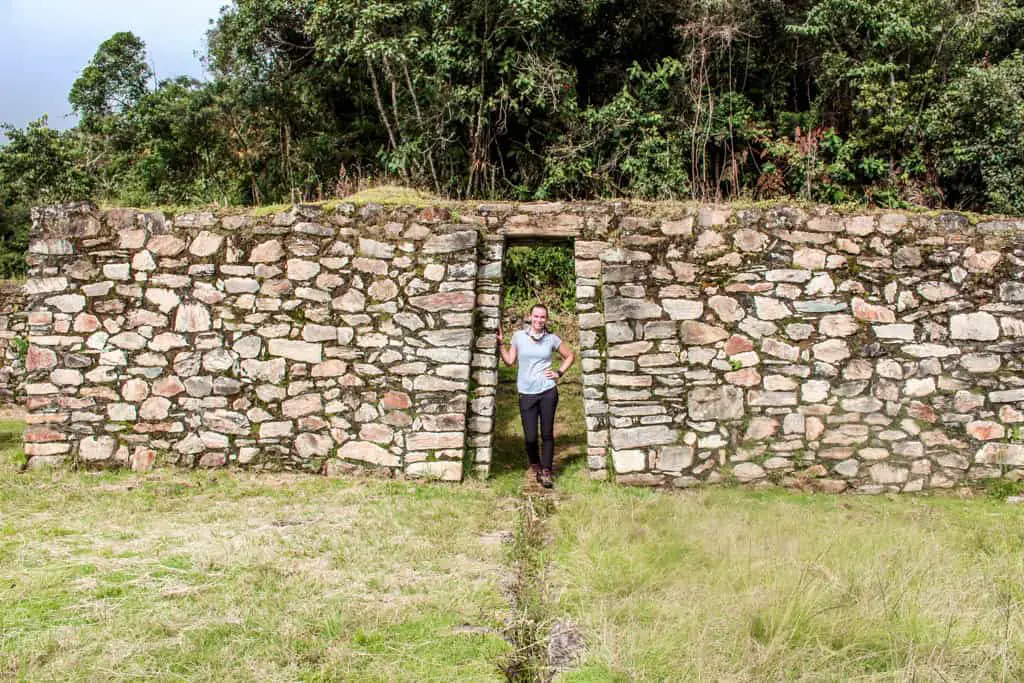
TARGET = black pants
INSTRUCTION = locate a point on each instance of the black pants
(532, 406)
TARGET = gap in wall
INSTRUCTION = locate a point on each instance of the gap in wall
(539, 270)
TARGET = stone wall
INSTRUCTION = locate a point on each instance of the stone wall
(301, 340)
(13, 341)
(878, 352)
(881, 352)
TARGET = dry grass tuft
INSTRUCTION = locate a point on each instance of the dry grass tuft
(229, 575)
(393, 195)
(731, 584)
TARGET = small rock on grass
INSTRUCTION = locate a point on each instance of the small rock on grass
(565, 645)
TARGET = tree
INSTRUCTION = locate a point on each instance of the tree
(41, 165)
(977, 149)
(887, 103)
(38, 165)
(114, 80)
(177, 151)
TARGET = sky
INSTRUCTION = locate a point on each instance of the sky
(44, 44)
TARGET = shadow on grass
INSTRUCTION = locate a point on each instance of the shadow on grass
(10, 442)
(9, 439)
(509, 454)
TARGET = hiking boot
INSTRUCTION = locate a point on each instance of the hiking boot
(535, 471)
(546, 479)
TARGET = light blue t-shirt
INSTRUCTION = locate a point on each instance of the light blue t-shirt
(534, 358)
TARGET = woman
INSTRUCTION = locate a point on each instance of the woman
(536, 382)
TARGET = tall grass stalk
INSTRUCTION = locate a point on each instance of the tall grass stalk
(730, 584)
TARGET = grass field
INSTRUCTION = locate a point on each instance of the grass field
(730, 584)
(199, 576)
(226, 576)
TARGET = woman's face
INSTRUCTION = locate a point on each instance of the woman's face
(538, 319)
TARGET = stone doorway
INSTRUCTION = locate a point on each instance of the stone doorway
(538, 269)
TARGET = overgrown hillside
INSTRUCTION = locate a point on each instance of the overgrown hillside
(887, 103)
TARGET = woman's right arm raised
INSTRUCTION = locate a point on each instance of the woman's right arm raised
(507, 354)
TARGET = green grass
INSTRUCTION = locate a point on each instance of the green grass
(231, 576)
(394, 195)
(732, 584)
(181, 575)
(11, 453)
(385, 194)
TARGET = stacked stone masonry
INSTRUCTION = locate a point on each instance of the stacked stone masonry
(877, 352)
(13, 341)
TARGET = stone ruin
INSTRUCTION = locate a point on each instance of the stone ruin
(874, 352)
(13, 342)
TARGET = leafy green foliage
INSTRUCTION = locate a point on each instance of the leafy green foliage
(114, 80)
(14, 227)
(37, 165)
(184, 158)
(540, 274)
(40, 164)
(890, 103)
(1001, 489)
(974, 133)
(20, 346)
